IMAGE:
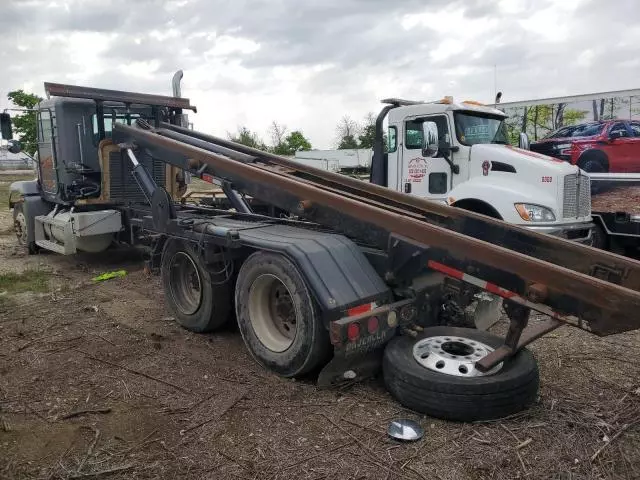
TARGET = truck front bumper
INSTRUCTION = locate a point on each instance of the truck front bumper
(576, 232)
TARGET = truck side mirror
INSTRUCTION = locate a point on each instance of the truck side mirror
(429, 139)
(523, 141)
(5, 126)
(14, 147)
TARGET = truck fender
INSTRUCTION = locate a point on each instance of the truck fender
(24, 188)
(33, 205)
(499, 193)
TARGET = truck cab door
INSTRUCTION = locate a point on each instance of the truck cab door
(619, 149)
(634, 147)
(427, 177)
(47, 161)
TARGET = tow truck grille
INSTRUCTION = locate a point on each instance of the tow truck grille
(577, 196)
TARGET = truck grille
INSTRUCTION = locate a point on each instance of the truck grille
(577, 196)
(122, 186)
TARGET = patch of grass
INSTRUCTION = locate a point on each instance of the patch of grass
(5, 182)
(27, 281)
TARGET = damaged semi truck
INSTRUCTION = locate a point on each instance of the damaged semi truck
(326, 273)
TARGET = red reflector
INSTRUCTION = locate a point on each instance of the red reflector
(372, 324)
(353, 332)
(360, 309)
(207, 178)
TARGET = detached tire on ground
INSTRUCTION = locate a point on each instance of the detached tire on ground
(198, 304)
(278, 318)
(508, 390)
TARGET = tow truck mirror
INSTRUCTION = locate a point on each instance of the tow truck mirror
(523, 141)
(429, 139)
(14, 147)
(5, 126)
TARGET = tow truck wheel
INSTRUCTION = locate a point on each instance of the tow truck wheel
(278, 318)
(197, 303)
(21, 228)
(435, 374)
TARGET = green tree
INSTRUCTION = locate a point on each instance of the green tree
(367, 136)
(24, 124)
(296, 142)
(278, 138)
(347, 131)
(283, 144)
(246, 137)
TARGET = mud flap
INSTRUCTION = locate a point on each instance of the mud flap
(343, 370)
(488, 312)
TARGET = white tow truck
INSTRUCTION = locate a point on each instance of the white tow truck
(459, 154)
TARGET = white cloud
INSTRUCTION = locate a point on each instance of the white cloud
(306, 64)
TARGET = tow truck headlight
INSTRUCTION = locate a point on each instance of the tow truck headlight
(534, 213)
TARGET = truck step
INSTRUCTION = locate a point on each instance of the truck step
(44, 219)
(54, 247)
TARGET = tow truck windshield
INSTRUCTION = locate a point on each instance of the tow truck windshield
(473, 128)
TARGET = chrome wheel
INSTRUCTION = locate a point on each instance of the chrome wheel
(272, 313)
(452, 355)
(185, 283)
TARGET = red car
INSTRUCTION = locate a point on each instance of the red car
(605, 146)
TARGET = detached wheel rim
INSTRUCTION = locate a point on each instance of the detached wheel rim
(272, 313)
(20, 227)
(185, 283)
(452, 355)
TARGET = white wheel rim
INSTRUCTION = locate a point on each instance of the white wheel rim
(185, 283)
(272, 313)
(452, 355)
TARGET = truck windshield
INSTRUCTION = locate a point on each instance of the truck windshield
(472, 128)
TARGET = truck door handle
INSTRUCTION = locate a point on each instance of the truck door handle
(407, 187)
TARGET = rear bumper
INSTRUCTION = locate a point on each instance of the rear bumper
(576, 232)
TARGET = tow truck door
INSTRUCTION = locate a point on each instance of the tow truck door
(427, 177)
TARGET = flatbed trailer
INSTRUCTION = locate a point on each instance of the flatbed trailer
(343, 275)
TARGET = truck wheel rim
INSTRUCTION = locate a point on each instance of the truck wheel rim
(185, 282)
(20, 227)
(452, 355)
(272, 313)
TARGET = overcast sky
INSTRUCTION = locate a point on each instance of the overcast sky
(307, 63)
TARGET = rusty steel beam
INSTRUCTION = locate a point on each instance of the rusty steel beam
(103, 95)
(606, 300)
(558, 251)
(527, 336)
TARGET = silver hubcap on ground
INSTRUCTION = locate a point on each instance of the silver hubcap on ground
(452, 355)
(185, 283)
(20, 226)
(272, 313)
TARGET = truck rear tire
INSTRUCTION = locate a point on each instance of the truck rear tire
(453, 396)
(198, 304)
(278, 318)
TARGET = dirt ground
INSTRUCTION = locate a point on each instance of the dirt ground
(98, 381)
(625, 198)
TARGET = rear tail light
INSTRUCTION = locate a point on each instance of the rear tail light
(360, 309)
(372, 325)
(353, 332)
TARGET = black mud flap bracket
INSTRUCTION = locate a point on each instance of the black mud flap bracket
(343, 370)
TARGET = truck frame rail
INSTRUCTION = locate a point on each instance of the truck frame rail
(572, 283)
